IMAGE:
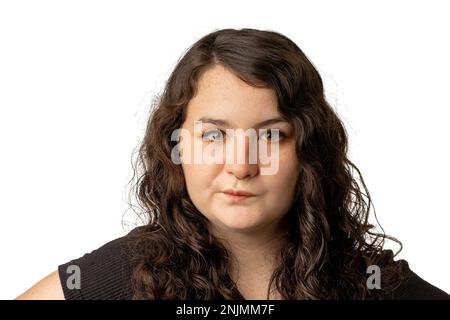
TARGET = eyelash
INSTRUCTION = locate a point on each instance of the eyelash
(281, 135)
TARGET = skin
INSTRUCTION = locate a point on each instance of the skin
(252, 229)
(48, 288)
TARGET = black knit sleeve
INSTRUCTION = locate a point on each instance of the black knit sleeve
(416, 288)
(104, 274)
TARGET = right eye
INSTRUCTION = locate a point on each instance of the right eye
(212, 135)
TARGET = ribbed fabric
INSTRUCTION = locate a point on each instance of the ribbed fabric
(416, 288)
(106, 275)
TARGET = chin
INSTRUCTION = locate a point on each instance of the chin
(240, 224)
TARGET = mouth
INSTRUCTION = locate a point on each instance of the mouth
(238, 195)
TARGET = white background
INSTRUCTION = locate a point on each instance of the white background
(76, 82)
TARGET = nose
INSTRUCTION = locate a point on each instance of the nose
(238, 161)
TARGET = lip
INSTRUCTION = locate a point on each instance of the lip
(239, 193)
(237, 196)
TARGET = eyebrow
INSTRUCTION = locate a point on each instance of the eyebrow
(224, 123)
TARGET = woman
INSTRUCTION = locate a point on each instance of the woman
(292, 227)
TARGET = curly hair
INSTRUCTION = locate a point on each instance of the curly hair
(330, 242)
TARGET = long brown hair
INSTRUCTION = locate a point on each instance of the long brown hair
(330, 240)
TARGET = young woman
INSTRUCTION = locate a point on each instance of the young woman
(292, 227)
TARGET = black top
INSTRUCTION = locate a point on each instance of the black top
(105, 274)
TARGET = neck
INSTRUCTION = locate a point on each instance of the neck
(254, 255)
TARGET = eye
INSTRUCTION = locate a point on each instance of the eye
(272, 135)
(212, 135)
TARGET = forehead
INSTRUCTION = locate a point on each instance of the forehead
(220, 93)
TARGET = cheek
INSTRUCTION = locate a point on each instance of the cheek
(200, 185)
(282, 185)
(286, 177)
(199, 174)
(199, 177)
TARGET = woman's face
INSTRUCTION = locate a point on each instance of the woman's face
(221, 95)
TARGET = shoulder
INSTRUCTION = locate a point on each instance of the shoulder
(413, 287)
(104, 273)
(48, 288)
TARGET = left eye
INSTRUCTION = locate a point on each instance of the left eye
(272, 135)
(213, 135)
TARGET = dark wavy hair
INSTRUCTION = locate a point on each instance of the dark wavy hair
(330, 241)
